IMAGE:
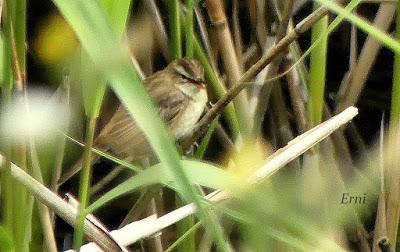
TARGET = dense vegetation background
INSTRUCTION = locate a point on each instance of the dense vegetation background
(81, 59)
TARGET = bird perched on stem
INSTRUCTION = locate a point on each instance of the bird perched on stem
(178, 92)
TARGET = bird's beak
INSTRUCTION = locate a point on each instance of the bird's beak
(201, 85)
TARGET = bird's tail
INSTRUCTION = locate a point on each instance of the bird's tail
(76, 168)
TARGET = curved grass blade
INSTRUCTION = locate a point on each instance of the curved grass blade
(199, 172)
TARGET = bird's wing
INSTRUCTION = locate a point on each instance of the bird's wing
(121, 133)
(171, 104)
(169, 100)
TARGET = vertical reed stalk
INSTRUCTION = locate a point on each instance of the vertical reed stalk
(318, 70)
(7, 84)
(229, 57)
(15, 39)
(216, 87)
(85, 182)
(189, 28)
(189, 244)
(393, 201)
(175, 29)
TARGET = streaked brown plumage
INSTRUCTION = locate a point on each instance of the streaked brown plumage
(179, 93)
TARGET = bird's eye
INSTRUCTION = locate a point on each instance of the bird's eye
(186, 77)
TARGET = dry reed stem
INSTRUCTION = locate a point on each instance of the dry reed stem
(135, 231)
(262, 98)
(380, 220)
(237, 32)
(153, 243)
(356, 138)
(161, 33)
(229, 57)
(106, 180)
(297, 101)
(60, 207)
(261, 25)
(205, 38)
(249, 54)
(45, 216)
(140, 205)
(393, 197)
(20, 81)
(341, 146)
(252, 5)
(348, 96)
(56, 174)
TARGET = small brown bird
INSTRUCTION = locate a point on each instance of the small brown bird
(178, 91)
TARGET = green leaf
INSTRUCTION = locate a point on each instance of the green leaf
(108, 156)
(200, 173)
(93, 81)
(364, 25)
(175, 29)
(118, 12)
(6, 242)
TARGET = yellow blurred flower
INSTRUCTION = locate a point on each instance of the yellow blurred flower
(55, 40)
(251, 156)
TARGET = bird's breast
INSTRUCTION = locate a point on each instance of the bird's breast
(189, 116)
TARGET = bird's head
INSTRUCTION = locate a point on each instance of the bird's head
(190, 71)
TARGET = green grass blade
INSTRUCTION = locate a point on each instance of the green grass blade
(206, 140)
(364, 25)
(93, 81)
(175, 29)
(216, 87)
(107, 156)
(189, 28)
(188, 234)
(395, 106)
(6, 242)
(317, 75)
(200, 173)
(118, 12)
(94, 86)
